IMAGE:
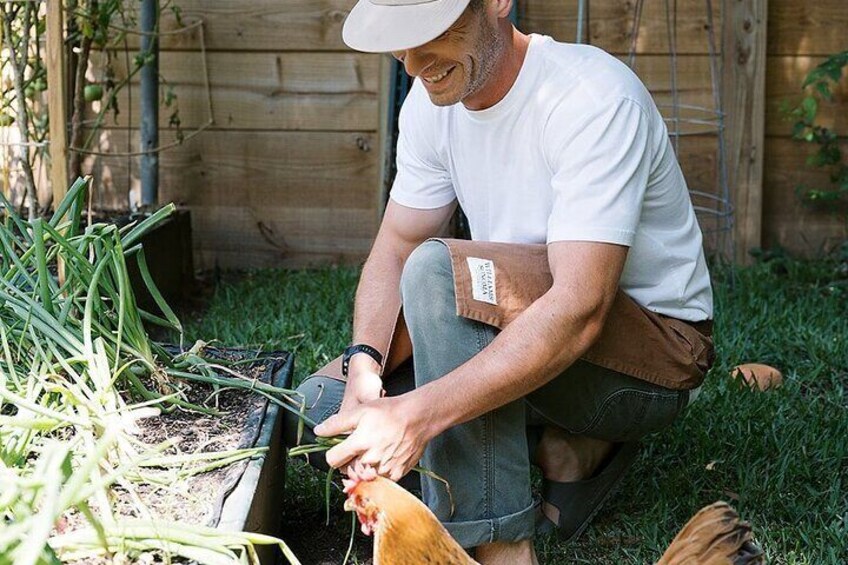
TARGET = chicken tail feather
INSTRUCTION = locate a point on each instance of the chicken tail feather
(714, 536)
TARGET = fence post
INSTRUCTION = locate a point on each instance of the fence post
(56, 109)
(744, 86)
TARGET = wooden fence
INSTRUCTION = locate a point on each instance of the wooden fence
(291, 171)
(800, 36)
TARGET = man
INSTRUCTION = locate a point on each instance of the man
(575, 322)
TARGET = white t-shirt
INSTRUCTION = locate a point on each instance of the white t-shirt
(575, 151)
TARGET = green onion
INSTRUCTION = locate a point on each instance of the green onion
(74, 354)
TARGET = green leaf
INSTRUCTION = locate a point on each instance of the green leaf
(156, 294)
(72, 201)
(810, 106)
(16, 219)
(834, 71)
(44, 277)
(146, 225)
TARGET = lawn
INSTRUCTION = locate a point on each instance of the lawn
(781, 457)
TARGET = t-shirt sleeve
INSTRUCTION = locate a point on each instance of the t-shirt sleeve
(600, 172)
(422, 179)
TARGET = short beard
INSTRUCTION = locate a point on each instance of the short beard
(490, 47)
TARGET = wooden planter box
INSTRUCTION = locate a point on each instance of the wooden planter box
(250, 497)
(168, 250)
(254, 500)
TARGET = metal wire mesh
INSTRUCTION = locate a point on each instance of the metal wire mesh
(711, 198)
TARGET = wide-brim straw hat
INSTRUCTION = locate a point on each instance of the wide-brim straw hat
(381, 26)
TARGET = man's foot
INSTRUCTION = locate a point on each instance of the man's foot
(501, 553)
(566, 458)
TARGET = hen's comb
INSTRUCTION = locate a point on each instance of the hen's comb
(357, 473)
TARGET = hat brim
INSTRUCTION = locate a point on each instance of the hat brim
(378, 28)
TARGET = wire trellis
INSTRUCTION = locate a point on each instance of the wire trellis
(199, 25)
(210, 117)
(713, 205)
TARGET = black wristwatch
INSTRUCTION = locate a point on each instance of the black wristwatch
(359, 348)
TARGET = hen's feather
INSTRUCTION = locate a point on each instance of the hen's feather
(405, 530)
(714, 536)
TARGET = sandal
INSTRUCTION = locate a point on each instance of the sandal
(579, 501)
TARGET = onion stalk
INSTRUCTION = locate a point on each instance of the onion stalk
(74, 349)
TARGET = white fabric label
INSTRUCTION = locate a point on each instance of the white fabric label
(482, 279)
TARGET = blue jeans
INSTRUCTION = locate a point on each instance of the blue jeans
(486, 460)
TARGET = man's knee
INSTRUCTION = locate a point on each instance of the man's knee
(427, 278)
(322, 397)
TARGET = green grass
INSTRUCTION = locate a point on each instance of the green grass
(781, 457)
(306, 312)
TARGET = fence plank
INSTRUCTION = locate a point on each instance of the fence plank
(744, 95)
(278, 91)
(263, 236)
(786, 220)
(332, 170)
(611, 22)
(807, 28)
(266, 259)
(698, 158)
(258, 25)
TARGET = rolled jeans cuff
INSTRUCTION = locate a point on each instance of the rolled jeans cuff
(510, 528)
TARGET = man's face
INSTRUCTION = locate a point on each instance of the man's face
(458, 63)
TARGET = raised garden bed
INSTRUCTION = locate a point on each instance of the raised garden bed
(249, 494)
(244, 495)
(115, 448)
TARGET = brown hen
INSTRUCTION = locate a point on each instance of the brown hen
(407, 533)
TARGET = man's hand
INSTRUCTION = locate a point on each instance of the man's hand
(364, 383)
(384, 433)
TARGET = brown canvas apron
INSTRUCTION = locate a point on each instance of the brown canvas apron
(659, 349)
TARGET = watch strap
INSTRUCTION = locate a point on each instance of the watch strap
(359, 348)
